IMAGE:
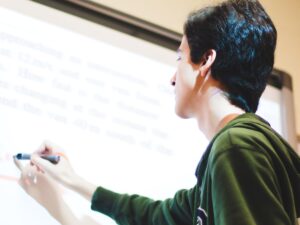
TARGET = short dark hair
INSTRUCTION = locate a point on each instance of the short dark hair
(244, 38)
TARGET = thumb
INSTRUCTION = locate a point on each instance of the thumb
(45, 165)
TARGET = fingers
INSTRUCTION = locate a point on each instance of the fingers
(18, 164)
(41, 163)
(49, 148)
(29, 178)
(46, 148)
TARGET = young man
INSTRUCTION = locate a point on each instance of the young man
(248, 174)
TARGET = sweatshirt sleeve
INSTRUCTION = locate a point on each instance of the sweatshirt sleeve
(138, 210)
(245, 189)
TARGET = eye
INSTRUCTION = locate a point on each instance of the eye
(178, 58)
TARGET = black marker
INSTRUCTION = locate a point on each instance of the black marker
(51, 158)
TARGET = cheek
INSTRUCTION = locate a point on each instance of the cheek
(186, 76)
(184, 94)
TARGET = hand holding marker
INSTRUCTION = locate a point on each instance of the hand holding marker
(51, 158)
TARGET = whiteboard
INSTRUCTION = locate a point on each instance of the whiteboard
(104, 97)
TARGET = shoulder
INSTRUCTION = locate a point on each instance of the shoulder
(240, 138)
(240, 152)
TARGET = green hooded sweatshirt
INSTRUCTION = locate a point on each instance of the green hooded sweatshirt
(248, 175)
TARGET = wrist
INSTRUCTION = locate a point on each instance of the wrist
(73, 182)
(66, 217)
(62, 213)
(82, 187)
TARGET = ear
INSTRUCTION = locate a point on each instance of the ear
(206, 62)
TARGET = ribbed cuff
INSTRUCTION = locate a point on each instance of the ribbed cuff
(103, 201)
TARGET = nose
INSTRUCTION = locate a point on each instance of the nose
(173, 80)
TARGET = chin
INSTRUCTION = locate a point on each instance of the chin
(181, 113)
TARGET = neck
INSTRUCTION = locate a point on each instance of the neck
(215, 112)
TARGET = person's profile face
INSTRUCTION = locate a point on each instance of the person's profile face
(184, 81)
